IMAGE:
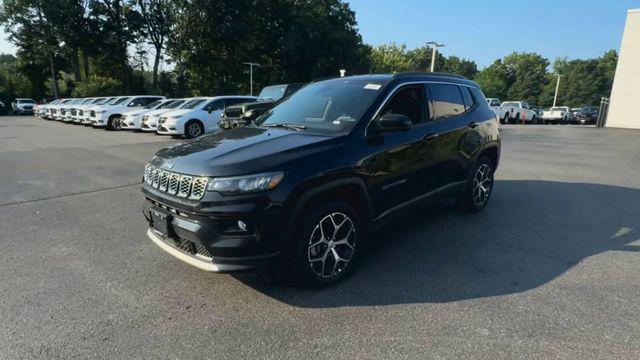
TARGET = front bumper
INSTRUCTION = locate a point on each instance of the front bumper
(98, 121)
(211, 241)
(149, 126)
(170, 128)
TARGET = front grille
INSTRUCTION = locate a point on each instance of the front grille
(162, 120)
(62, 111)
(80, 112)
(145, 118)
(73, 112)
(191, 247)
(92, 113)
(184, 186)
(233, 112)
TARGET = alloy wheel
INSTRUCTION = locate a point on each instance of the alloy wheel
(482, 184)
(331, 245)
(194, 130)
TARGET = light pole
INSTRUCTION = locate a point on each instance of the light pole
(555, 97)
(251, 65)
(434, 47)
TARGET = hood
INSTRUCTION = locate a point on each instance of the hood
(253, 105)
(243, 150)
(176, 112)
(158, 112)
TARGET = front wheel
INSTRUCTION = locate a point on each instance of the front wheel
(327, 244)
(193, 129)
(478, 191)
(506, 119)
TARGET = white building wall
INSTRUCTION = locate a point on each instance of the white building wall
(625, 95)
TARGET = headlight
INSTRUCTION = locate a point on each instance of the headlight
(176, 117)
(245, 184)
(101, 111)
(248, 114)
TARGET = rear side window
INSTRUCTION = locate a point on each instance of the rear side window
(447, 100)
(469, 102)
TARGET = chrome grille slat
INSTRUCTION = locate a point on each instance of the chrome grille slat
(198, 188)
(174, 183)
(164, 181)
(156, 178)
(185, 186)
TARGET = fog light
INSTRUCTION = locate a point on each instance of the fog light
(242, 226)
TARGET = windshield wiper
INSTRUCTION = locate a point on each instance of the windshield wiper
(287, 126)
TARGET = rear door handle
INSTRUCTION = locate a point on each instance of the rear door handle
(430, 137)
(473, 125)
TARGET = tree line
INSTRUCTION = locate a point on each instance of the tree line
(103, 47)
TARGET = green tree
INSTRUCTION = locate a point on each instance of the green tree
(529, 76)
(495, 80)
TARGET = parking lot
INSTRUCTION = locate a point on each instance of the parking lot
(548, 270)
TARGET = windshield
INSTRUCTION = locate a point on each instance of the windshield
(192, 104)
(327, 107)
(88, 101)
(117, 101)
(173, 104)
(103, 101)
(26, 101)
(558, 109)
(511, 104)
(153, 104)
(272, 93)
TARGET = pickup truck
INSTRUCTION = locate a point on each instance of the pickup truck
(516, 112)
(242, 114)
(558, 115)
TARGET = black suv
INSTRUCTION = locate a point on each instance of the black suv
(243, 114)
(301, 186)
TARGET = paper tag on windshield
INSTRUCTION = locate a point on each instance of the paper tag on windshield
(373, 86)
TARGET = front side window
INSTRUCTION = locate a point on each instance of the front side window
(192, 104)
(409, 102)
(447, 100)
(330, 107)
(119, 101)
(215, 105)
(153, 104)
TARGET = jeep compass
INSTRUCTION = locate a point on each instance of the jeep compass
(300, 187)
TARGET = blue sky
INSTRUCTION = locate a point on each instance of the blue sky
(484, 30)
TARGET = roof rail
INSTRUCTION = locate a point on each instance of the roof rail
(407, 73)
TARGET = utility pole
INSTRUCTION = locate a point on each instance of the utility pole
(434, 47)
(251, 65)
(555, 97)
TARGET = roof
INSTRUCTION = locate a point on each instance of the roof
(409, 76)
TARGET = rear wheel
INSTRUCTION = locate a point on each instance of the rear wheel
(479, 188)
(327, 245)
(506, 119)
(193, 129)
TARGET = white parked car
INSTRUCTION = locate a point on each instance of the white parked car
(85, 117)
(558, 115)
(42, 110)
(62, 108)
(108, 115)
(132, 119)
(54, 109)
(67, 109)
(23, 106)
(517, 112)
(78, 115)
(199, 116)
(149, 121)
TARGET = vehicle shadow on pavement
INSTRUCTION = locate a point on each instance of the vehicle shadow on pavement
(531, 233)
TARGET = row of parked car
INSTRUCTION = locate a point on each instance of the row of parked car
(520, 112)
(189, 117)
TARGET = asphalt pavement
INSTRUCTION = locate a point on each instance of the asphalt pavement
(549, 270)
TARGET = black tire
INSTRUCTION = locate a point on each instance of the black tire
(308, 267)
(110, 123)
(471, 198)
(506, 119)
(193, 129)
(534, 120)
(517, 119)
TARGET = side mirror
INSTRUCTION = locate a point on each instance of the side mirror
(393, 122)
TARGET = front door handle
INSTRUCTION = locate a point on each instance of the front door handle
(473, 125)
(430, 137)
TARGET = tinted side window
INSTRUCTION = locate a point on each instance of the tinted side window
(408, 101)
(447, 100)
(468, 99)
(215, 105)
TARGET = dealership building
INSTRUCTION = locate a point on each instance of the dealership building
(625, 95)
